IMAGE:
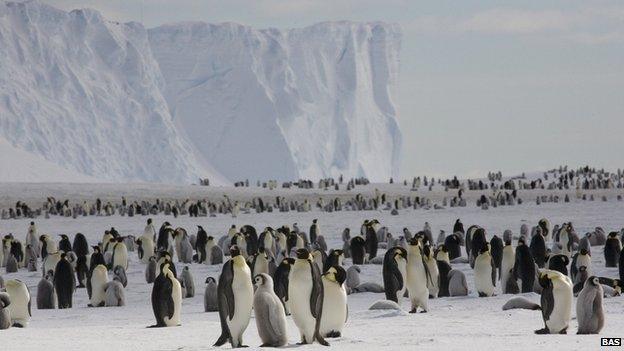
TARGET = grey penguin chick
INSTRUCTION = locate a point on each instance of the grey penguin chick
(269, 312)
(150, 270)
(120, 273)
(189, 283)
(211, 300)
(520, 302)
(457, 283)
(589, 311)
(353, 277)
(5, 315)
(114, 293)
(46, 296)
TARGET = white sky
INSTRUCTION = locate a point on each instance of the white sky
(485, 85)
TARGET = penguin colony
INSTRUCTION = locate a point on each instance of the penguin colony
(281, 273)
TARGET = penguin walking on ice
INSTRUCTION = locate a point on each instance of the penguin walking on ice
(269, 313)
(305, 293)
(19, 309)
(335, 310)
(166, 297)
(235, 293)
(417, 277)
(589, 310)
(485, 272)
(394, 271)
(556, 302)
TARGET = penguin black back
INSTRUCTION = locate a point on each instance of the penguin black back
(524, 268)
(64, 283)
(371, 242)
(453, 245)
(357, 249)
(538, 249)
(80, 245)
(392, 277)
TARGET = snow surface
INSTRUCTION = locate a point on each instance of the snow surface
(460, 323)
(114, 102)
(283, 104)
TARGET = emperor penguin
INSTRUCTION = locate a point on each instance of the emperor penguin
(46, 297)
(433, 284)
(120, 274)
(335, 309)
(189, 283)
(507, 265)
(538, 248)
(186, 249)
(556, 302)
(260, 263)
(334, 258)
(612, 250)
(589, 310)
(64, 244)
(524, 267)
(120, 254)
(235, 293)
(319, 257)
(145, 248)
(99, 278)
(269, 313)
(452, 243)
(485, 272)
(19, 309)
(166, 297)
(544, 224)
(50, 261)
(64, 283)
(353, 277)
(417, 277)
(5, 314)
(211, 299)
(32, 239)
(114, 293)
(357, 249)
(394, 273)
(47, 245)
(281, 281)
(150, 270)
(305, 293)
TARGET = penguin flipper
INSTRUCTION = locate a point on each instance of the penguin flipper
(548, 302)
(226, 301)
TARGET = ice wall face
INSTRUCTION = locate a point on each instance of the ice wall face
(310, 102)
(85, 94)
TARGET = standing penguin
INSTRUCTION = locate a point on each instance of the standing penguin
(538, 248)
(371, 243)
(114, 293)
(120, 254)
(64, 245)
(145, 248)
(394, 273)
(612, 250)
(457, 283)
(507, 265)
(335, 310)
(453, 246)
(589, 311)
(269, 313)
(200, 246)
(64, 283)
(314, 231)
(485, 272)
(357, 249)
(99, 278)
(19, 309)
(305, 292)
(280, 285)
(46, 297)
(32, 239)
(559, 263)
(417, 277)
(211, 299)
(524, 267)
(496, 250)
(150, 270)
(433, 284)
(5, 314)
(166, 297)
(556, 302)
(235, 299)
(188, 282)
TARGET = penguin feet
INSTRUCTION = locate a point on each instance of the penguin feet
(564, 331)
(333, 334)
(542, 331)
(18, 325)
(413, 310)
(423, 311)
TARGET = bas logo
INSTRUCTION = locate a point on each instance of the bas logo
(610, 341)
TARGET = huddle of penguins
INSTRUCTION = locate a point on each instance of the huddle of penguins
(283, 272)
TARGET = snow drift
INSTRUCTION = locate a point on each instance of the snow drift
(100, 99)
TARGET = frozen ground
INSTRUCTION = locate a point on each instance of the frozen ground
(453, 323)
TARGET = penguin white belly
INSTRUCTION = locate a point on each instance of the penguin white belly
(261, 266)
(483, 276)
(243, 302)
(299, 291)
(507, 265)
(268, 243)
(98, 294)
(209, 247)
(121, 256)
(148, 249)
(417, 285)
(562, 311)
(50, 262)
(334, 308)
(433, 285)
(584, 260)
(18, 308)
(176, 295)
(300, 242)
